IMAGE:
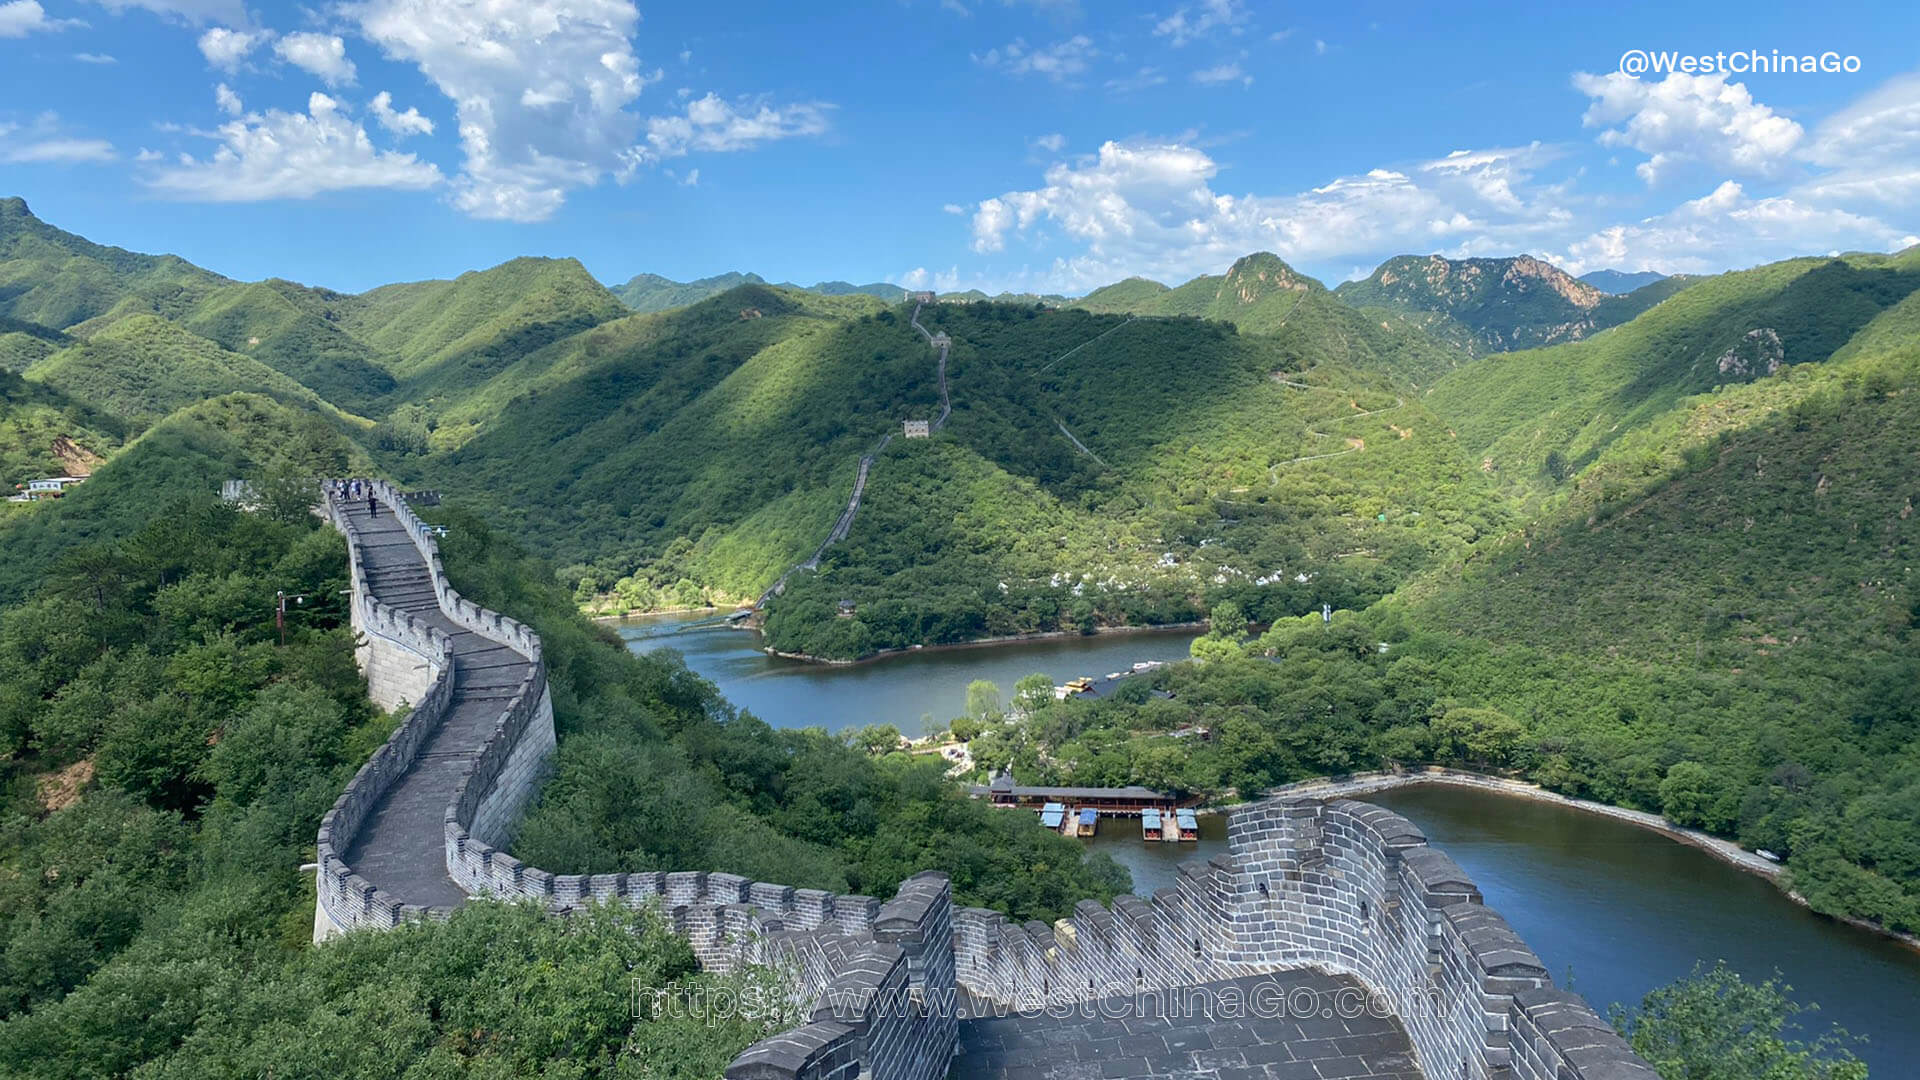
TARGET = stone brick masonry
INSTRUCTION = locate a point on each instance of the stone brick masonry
(1342, 888)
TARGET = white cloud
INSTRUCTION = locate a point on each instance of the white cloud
(402, 124)
(1700, 119)
(713, 125)
(1062, 61)
(1143, 79)
(540, 89)
(323, 56)
(95, 58)
(49, 151)
(18, 18)
(1871, 149)
(953, 208)
(231, 12)
(225, 48)
(1052, 143)
(1150, 208)
(1186, 25)
(228, 101)
(145, 155)
(283, 155)
(1224, 73)
(42, 142)
(1727, 227)
(692, 179)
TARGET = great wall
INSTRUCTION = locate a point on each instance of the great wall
(1315, 896)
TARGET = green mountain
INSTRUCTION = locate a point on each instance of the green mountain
(144, 367)
(1262, 295)
(287, 327)
(711, 448)
(57, 279)
(1621, 282)
(879, 289)
(184, 458)
(1539, 416)
(446, 337)
(1491, 305)
(647, 293)
(651, 292)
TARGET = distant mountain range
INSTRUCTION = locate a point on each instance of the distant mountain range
(651, 292)
(1621, 282)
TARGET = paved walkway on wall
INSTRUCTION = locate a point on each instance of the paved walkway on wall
(401, 847)
(1254, 1040)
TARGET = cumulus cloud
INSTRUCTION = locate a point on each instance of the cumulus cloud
(715, 125)
(1727, 227)
(1063, 61)
(228, 101)
(323, 56)
(1052, 142)
(402, 124)
(540, 89)
(1681, 119)
(1191, 24)
(290, 155)
(224, 48)
(1151, 208)
(18, 18)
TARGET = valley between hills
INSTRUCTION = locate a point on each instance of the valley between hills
(1653, 548)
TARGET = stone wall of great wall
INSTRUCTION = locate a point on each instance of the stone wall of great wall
(1337, 885)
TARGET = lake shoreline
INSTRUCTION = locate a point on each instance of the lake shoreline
(663, 611)
(1726, 851)
(985, 643)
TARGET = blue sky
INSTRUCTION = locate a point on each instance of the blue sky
(1023, 144)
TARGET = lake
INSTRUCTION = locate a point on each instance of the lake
(1615, 911)
(1620, 909)
(898, 689)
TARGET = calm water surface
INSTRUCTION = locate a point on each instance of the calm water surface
(898, 690)
(1621, 909)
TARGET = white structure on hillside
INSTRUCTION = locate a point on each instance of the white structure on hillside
(917, 429)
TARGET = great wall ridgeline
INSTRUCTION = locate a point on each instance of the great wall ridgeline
(1306, 885)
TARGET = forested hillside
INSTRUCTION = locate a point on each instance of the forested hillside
(1261, 295)
(1666, 565)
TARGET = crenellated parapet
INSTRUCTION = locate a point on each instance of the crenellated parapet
(1341, 886)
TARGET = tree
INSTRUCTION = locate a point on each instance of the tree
(1227, 619)
(1033, 693)
(1718, 1026)
(1691, 795)
(983, 700)
(1479, 737)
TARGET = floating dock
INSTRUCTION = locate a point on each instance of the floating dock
(1189, 824)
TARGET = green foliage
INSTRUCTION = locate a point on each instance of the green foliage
(1714, 1025)
(144, 367)
(1262, 295)
(185, 457)
(656, 771)
(287, 327)
(57, 279)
